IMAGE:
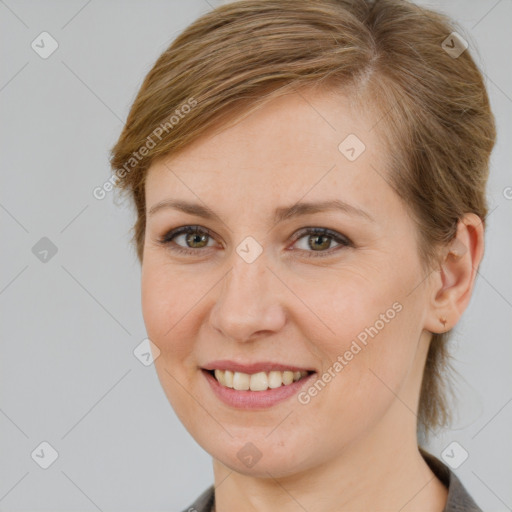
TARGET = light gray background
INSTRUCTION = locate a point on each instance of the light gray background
(69, 326)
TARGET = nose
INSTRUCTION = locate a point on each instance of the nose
(248, 305)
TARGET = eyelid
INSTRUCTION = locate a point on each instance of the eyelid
(188, 228)
(314, 230)
(342, 240)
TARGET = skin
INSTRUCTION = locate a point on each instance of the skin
(354, 445)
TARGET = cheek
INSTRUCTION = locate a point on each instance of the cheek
(362, 378)
(166, 299)
(369, 335)
(155, 302)
(164, 307)
(349, 303)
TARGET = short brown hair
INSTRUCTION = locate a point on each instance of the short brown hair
(434, 109)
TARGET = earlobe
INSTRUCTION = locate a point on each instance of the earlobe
(454, 283)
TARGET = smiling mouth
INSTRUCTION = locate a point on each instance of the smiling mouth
(260, 381)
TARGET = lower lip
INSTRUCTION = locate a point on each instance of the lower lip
(254, 399)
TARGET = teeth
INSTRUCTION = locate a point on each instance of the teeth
(260, 381)
(228, 378)
(287, 377)
(274, 379)
(241, 381)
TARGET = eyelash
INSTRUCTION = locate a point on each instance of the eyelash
(344, 242)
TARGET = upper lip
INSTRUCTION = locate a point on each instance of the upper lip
(260, 366)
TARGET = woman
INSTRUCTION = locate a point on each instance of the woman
(309, 181)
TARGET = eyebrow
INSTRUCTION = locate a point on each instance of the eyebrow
(280, 214)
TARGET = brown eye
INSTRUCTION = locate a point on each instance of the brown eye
(192, 239)
(319, 240)
(196, 238)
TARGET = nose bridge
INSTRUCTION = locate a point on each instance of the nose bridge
(248, 301)
(245, 279)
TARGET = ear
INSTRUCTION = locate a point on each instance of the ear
(452, 284)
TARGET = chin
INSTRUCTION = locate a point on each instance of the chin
(258, 456)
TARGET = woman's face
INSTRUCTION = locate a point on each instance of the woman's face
(256, 287)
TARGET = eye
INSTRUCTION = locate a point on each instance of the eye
(195, 238)
(320, 239)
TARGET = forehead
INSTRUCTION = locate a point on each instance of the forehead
(311, 145)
